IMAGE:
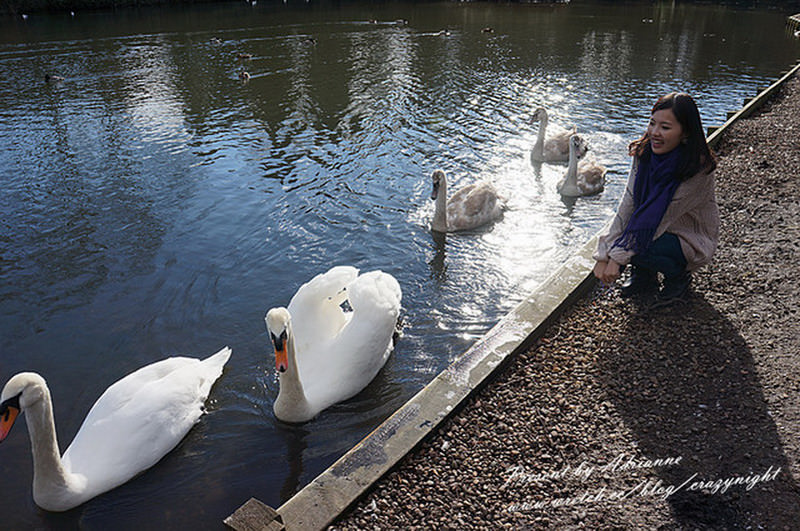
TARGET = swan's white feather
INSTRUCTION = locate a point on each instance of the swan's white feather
(343, 364)
(140, 418)
(334, 363)
(133, 424)
(319, 302)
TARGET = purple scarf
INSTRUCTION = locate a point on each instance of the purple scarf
(653, 190)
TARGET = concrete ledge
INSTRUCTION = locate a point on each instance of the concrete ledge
(715, 133)
(320, 502)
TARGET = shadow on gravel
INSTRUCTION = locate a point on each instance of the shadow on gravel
(685, 384)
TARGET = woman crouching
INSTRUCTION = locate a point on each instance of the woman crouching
(667, 221)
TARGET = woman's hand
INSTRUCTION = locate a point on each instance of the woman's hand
(600, 269)
(607, 272)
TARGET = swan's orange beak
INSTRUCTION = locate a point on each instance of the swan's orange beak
(281, 355)
(8, 414)
(281, 360)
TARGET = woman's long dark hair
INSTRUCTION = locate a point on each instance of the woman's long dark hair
(696, 155)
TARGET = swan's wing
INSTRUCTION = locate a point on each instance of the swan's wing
(556, 150)
(315, 308)
(378, 292)
(594, 180)
(561, 136)
(591, 175)
(462, 193)
(556, 144)
(478, 206)
(139, 419)
(357, 353)
(323, 286)
(123, 391)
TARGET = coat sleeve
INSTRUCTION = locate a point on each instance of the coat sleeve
(614, 230)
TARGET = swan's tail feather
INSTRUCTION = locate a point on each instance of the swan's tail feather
(213, 369)
(220, 358)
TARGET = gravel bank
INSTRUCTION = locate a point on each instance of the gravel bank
(624, 416)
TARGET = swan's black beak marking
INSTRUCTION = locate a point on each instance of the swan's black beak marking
(8, 414)
(278, 342)
(435, 190)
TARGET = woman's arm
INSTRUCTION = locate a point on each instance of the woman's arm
(621, 218)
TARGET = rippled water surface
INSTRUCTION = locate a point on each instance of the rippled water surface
(155, 205)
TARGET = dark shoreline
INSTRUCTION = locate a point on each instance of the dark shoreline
(16, 8)
(12, 8)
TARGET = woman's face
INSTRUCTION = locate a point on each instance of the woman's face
(665, 131)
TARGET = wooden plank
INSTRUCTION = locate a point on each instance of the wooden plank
(255, 516)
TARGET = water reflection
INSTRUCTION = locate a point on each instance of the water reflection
(154, 205)
(295, 444)
(437, 263)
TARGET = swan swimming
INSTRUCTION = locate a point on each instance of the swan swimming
(470, 207)
(325, 354)
(586, 177)
(133, 424)
(554, 148)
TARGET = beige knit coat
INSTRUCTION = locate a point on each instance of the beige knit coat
(693, 216)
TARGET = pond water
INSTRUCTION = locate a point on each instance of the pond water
(154, 204)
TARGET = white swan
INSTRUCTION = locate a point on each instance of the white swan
(472, 206)
(554, 148)
(325, 354)
(133, 424)
(586, 177)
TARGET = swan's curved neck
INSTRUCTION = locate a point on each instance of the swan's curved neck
(572, 168)
(439, 222)
(538, 146)
(291, 404)
(570, 183)
(49, 474)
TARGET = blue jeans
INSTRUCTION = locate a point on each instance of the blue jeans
(664, 255)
